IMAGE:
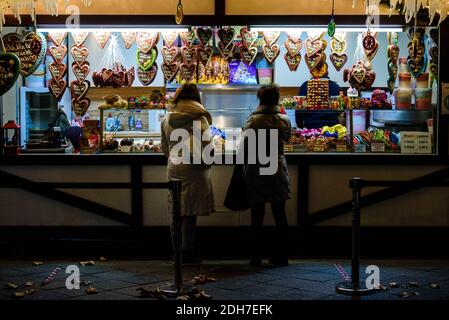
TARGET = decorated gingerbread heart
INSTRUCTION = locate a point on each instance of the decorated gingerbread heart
(80, 107)
(188, 71)
(170, 38)
(249, 38)
(204, 35)
(189, 55)
(226, 35)
(338, 46)
(293, 46)
(338, 60)
(170, 71)
(129, 37)
(30, 48)
(10, 70)
(271, 52)
(293, 61)
(57, 37)
(79, 54)
(226, 50)
(248, 55)
(57, 88)
(271, 37)
(146, 41)
(102, 38)
(147, 77)
(314, 61)
(81, 71)
(79, 37)
(170, 54)
(314, 47)
(146, 60)
(58, 53)
(205, 55)
(79, 89)
(57, 70)
(187, 38)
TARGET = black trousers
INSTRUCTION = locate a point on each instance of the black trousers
(278, 244)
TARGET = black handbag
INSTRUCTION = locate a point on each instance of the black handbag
(236, 198)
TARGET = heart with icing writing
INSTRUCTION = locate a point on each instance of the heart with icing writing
(80, 106)
(271, 37)
(102, 38)
(188, 71)
(226, 50)
(338, 46)
(359, 74)
(392, 68)
(79, 54)
(57, 37)
(9, 71)
(370, 77)
(79, 37)
(205, 55)
(249, 38)
(57, 70)
(187, 38)
(57, 88)
(248, 55)
(147, 77)
(146, 60)
(170, 38)
(170, 54)
(314, 47)
(146, 41)
(170, 71)
(81, 71)
(128, 38)
(130, 76)
(294, 35)
(30, 48)
(338, 60)
(58, 53)
(314, 61)
(188, 55)
(416, 52)
(204, 35)
(293, 46)
(293, 62)
(79, 89)
(226, 35)
(271, 52)
(119, 78)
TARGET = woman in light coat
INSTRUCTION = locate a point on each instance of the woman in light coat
(197, 198)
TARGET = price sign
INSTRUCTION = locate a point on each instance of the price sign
(416, 142)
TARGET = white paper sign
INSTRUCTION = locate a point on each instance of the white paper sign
(416, 142)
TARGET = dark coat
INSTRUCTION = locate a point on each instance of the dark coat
(269, 188)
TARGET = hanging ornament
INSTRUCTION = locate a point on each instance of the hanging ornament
(146, 41)
(128, 38)
(417, 58)
(433, 54)
(338, 56)
(170, 38)
(249, 38)
(315, 55)
(204, 35)
(10, 66)
(79, 37)
(102, 38)
(179, 17)
(57, 37)
(392, 60)
(331, 27)
(293, 57)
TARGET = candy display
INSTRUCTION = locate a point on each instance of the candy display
(216, 71)
(389, 138)
(240, 73)
(318, 94)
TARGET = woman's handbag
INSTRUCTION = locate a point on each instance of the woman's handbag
(236, 197)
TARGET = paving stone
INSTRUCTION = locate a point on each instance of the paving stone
(6, 273)
(107, 295)
(113, 284)
(146, 279)
(233, 283)
(132, 291)
(260, 277)
(264, 289)
(224, 294)
(295, 294)
(115, 275)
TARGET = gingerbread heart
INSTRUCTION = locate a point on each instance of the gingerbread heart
(147, 77)
(146, 41)
(189, 55)
(292, 61)
(10, 70)
(314, 61)
(119, 79)
(30, 48)
(204, 35)
(205, 55)
(271, 37)
(359, 74)
(226, 36)
(79, 37)
(146, 60)
(57, 37)
(293, 46)
(393, 52)
(80, 107)
(226, 50)
(128, 38)
(57, 88)
(248, 55)
(102, 38)
(57, 70)
(79, 89)
(294, 35)
(187, 38)
(392, 68)
(58, 53)
(81, 71)
(314, 47)
(170, 38)
(188, 71)
(271, 52)
(338, 46)
(170, 71)
(338, 60)
(130, 76)
(170, 54)
(370, 77)
(249, 38)
(79, 54)
(370, 45)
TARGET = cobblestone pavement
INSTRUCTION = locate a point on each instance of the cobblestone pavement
(235, 280)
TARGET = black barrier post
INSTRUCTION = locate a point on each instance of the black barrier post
(354, 287)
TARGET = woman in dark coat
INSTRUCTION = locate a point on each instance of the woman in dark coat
(272, 189)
